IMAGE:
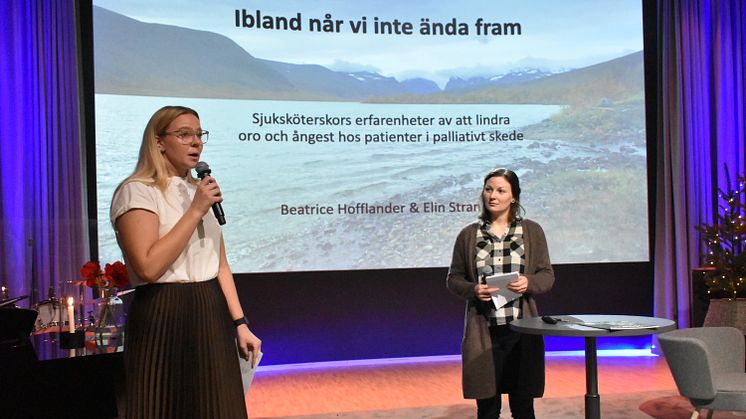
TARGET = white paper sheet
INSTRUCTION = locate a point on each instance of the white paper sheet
(247, 372)
(503, 295)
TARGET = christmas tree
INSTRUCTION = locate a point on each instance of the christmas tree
(724, 241)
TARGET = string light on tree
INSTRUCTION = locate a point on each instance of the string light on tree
(725, 241)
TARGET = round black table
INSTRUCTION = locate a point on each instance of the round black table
(605, 325)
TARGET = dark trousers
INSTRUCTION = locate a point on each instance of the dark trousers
(506, 346)
(521, 407)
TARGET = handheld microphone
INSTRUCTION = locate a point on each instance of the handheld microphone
(203, 169)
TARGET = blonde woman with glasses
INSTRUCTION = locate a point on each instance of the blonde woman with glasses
(185, 319)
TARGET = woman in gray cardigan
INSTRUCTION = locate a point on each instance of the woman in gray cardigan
(495, 359)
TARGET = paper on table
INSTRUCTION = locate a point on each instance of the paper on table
(618, 325)
(503, 295)
(247, 372)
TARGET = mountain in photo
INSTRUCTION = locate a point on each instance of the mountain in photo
(456, 84)
(149, 59)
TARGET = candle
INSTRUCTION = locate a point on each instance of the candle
(71, 320)
(71, 314)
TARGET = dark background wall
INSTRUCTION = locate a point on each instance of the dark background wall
(346, 315)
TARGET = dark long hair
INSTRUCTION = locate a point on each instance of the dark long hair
(515, 186)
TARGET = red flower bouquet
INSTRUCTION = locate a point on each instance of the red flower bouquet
(113, 276)
(107, 326)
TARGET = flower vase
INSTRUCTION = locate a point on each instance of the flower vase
(109, 325)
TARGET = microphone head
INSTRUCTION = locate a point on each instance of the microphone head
(487, 270)
(203, 169)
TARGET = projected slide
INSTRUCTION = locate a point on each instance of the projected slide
(355, 135)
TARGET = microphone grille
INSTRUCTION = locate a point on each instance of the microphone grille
(202, 169)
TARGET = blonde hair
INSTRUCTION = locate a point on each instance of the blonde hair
(151, 168)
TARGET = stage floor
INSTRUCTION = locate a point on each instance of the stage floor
(333, 389)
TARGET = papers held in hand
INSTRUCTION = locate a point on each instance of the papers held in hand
(503, 295)
(248, 369)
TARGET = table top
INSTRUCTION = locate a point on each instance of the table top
(572, 325)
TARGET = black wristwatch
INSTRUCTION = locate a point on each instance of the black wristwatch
(239, 322)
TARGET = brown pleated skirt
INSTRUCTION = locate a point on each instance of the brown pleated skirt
(180, 355)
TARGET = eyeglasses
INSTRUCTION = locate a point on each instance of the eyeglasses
(186, 135)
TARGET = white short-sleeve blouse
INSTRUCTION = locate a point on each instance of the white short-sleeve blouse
(200, 260)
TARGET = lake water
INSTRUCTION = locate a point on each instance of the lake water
(259, 177)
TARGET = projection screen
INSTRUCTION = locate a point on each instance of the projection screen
(355, 135)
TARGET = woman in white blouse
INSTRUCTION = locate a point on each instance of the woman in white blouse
(180, 354)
